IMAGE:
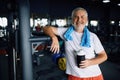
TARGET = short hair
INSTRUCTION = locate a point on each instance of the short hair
(77, 9)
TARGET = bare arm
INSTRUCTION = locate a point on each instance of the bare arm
(101, 57)
(52, 32)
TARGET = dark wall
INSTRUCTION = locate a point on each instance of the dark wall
(63, 8)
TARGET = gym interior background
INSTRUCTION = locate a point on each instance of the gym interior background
(24, 48)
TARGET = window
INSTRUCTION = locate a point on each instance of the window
(94, 23)
(3, 21)
(61, 22)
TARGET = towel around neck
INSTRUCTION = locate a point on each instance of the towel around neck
(85, 42)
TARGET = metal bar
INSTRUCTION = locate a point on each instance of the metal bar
(25, 46)
(39, 39)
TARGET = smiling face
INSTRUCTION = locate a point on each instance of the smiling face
(79, 19)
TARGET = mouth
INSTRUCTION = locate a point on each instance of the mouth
(80, 23)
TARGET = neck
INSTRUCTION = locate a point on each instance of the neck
(80, 30)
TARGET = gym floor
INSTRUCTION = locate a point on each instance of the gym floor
(48, 70)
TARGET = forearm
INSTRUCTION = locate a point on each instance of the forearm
(99, 59)
(49, 31)
(52, 32)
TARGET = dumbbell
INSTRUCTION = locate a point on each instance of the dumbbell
(59, 59)
(62, 63)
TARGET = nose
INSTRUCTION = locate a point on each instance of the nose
(79, 19)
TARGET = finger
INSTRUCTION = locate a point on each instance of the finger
(83, 61)
(82, 67)
(58, 50)
(81, 64)
(51, 48)
(54, 49)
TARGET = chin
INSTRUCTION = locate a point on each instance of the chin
(79, 27)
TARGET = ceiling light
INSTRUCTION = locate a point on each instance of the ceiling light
(118, 4)
(106, 1)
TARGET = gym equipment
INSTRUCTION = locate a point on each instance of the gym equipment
(56, 56)
(62, 63)
(59, 59)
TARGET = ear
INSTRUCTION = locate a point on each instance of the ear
(86, 23)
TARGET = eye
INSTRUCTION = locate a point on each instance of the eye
(82, 17)
(75, 16)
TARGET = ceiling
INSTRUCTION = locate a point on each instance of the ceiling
(50, 6)
(64, 7)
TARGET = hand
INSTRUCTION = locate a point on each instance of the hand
(85, 63)
(55, 45)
